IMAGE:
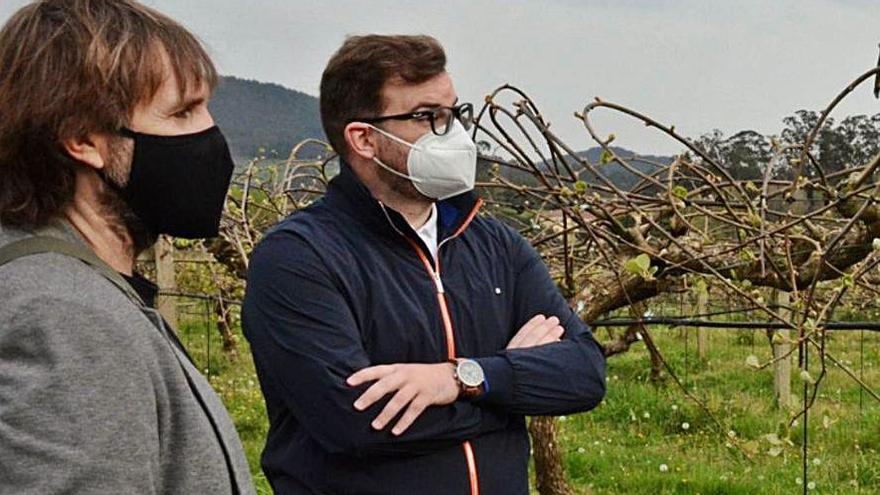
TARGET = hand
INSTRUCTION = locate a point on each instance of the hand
(415, 385)
(537, 331)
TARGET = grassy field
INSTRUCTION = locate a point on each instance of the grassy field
(648, 438)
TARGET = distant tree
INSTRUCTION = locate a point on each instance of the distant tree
(851, 143)
(745, 154)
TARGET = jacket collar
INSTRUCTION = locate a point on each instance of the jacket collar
(348, 193)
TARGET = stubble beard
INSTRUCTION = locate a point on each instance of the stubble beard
(120, 216)
(395, 156)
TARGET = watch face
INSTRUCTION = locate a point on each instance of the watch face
(470, 373)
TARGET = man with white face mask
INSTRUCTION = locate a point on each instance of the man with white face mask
(399, 337)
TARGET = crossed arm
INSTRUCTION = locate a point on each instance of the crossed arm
(305, 341)
(416, 387)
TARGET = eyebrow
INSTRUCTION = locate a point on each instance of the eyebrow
(430, 105)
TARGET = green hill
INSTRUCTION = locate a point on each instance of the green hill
(256, 115)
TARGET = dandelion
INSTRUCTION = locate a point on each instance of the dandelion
(685, 426)
(664, 468)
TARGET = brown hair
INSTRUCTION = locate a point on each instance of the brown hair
(69, 68)
(352, 84)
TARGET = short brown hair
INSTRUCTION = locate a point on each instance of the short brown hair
(69, 68)
(351, 86)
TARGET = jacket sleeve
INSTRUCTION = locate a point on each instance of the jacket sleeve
(76, 409)
(306, 343)
(553, 379)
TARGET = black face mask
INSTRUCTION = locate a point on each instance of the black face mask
(178, 184)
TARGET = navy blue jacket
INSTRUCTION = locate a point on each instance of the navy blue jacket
(346, 284)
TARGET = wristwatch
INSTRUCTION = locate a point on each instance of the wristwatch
(470, 377)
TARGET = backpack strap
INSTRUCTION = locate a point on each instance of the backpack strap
(41, 244)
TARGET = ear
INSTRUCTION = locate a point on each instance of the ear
(360, 140)
(89, 149)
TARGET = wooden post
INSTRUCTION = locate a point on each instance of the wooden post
(782, 367)
(702, 333)
(164, 252)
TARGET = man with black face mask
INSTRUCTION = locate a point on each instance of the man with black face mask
(105, 142)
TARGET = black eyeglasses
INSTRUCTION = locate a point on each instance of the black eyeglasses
(440, 117)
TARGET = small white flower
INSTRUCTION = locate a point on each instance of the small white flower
(799, 481)
(817, 461)
(581, 450)
(675, 407)
(731, 434)
(664, 468)
(646, 415)
(685, 426)
(811, 485)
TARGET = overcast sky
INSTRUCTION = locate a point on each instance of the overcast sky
(699, 64)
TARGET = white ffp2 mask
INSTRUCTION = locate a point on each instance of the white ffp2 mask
(439, 167)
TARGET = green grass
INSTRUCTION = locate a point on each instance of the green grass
(623, 446)
(620, 447)
(235, 380)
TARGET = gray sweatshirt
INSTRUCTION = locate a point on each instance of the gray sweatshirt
(94, 397)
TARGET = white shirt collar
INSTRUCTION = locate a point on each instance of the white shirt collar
(428, 232)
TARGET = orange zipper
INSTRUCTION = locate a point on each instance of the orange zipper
(434, 272)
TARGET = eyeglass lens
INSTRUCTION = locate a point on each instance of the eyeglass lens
(443, 117)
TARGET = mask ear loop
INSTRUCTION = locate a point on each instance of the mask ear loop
(395, 138)
(386, 167)
(395, 172)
